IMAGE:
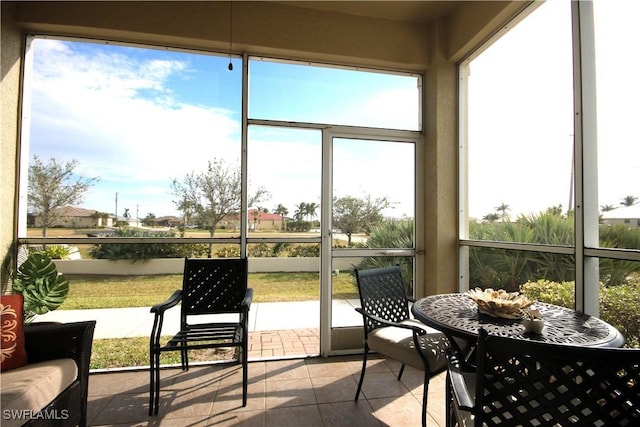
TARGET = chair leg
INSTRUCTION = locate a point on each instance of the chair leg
(152, 384)
(245, 378)
(184, 358)
(425, 391)
(364, 367)
(401, 371)
(157, 383)
(448, 402)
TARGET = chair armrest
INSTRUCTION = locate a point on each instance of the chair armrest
(456, 370)
(172, 301)
(248, 297)
(385, 322)
(49, 341)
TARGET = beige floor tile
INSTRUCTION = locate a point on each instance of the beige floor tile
(238, 419)
(127, 409)
(383, 384)
(402, 411)
(318, 369)
(348, 414)
(230, 399)
(294, 392)
(334, 389)
(294, 416)
(286, 370)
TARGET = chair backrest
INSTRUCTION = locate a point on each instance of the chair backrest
(382, 293)
(523, 382)
(213, 285)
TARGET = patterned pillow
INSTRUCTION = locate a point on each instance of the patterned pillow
(13, 354)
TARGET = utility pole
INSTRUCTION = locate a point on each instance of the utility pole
(116, 207)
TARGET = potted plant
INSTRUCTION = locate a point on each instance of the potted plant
(43, 288)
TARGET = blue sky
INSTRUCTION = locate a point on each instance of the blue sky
(138, 118)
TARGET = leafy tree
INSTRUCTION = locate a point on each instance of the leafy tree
(52, 186)
(555, 210)
(355, 215)
(491, 217)
(150, 220)
(214, 194)
(282, 211)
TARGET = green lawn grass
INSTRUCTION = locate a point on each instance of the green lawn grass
(112, 291)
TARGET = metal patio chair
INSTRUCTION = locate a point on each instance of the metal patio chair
(390, 331)
(210, 287)
(524, 383)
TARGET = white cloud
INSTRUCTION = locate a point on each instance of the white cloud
(115, 115)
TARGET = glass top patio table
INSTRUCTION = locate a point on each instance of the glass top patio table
(456, 315)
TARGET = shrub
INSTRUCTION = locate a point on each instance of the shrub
(261, 250)
(391, 234)
(142, 251)
(228, 252)
(618, 304)
(508, 269)
(305, 251)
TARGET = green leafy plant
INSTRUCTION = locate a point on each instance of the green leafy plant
(43, 288)
(56, 251)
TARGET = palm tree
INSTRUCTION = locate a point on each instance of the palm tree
(629, 201)
(311, 210)
(607, 208)
(503, 210)
(282, 211)
(301, 211)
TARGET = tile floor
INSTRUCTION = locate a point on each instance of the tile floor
(290, 392)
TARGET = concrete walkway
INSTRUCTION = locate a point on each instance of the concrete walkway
(268, 316)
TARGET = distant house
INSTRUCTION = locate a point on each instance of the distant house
(262, 221)
(76, 217)
(169, 221)
(628, 215)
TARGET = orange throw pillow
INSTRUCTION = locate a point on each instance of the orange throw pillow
(12, 343)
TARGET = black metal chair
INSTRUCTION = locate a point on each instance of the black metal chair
(526, 383)
(209, 286)
(390, 331)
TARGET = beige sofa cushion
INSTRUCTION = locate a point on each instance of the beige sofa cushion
(397, 343)
(32, 387)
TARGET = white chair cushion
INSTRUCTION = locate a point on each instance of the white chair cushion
(32, 387)
(397, 343)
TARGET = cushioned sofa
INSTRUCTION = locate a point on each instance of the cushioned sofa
(51, 388)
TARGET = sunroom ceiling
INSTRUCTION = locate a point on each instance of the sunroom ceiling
(419, 12)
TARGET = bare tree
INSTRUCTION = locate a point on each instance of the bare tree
(214, 194)
(52, 186)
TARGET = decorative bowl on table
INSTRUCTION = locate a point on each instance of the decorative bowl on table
(500, 303)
